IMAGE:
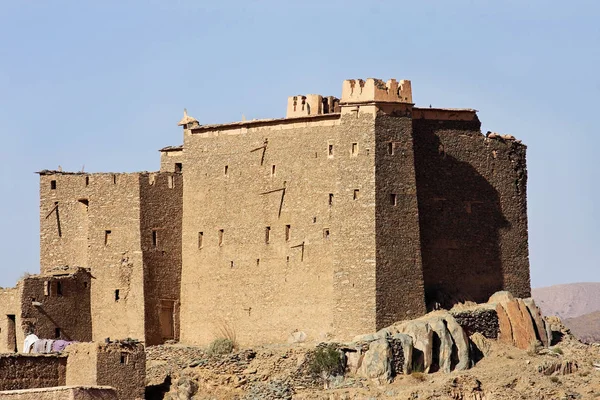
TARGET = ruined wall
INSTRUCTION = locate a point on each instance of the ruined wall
(472, 208)
(11, 335)
(399, 276)
(162, 208)
(64, 312)
(266, 289)
(118, 365)
(124, 368)
(20, 371)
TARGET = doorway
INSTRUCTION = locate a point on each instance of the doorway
(167, 319)
(11, 333)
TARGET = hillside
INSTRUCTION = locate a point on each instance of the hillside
(569, 300)
(586, 327)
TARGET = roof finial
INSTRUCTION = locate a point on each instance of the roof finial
(186, 119)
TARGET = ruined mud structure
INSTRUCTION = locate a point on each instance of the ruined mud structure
(340, 219)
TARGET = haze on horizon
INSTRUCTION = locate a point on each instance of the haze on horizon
(101, 86)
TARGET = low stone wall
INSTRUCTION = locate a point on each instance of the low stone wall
(28, 371)
(482, 319)
(62, 393)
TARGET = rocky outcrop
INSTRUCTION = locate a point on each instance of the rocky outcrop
(377, 362)
(520, 323)
(558, 367)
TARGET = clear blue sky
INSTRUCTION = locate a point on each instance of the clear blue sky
(103, 84)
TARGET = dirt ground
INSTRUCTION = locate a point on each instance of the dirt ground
(276, 372)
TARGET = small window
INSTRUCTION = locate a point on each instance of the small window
(114, 179)
(117, 295)
(59, 291)
(326, 233)
(314, 220)
(393, 199)
(288, 232)
(107, 236)
(221, 236)
(124, 358)
(85, 285)
(200, 239)
(267, 234)
(87, 181)
(53, 185)
(330, 199)
(391, 148)
(84, 202)
(330, 150)
(354, 149)
(47, 288)
(273, 170)
(57, 333)
(355, 195)
(178, 167)
(231, 264)
(170, 182)
(226, 171)
(258, 262)
(154, 238)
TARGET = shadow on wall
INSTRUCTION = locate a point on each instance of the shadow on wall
(460, 215)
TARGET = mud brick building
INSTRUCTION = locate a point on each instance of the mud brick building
(344, 217)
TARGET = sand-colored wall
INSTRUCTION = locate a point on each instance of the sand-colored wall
(62, 393)
(11, 334)
(28, 371)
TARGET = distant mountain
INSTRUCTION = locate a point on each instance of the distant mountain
(585, 327)
(568, 301)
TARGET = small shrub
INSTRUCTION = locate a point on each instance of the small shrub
(220, 346)
(326, 361)
(420, 376)
(555, 379)
(557, 350)
(534, 348)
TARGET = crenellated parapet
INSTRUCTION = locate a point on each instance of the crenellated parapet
(311, 104)
(376, 90)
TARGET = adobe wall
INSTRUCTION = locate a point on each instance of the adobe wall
(28, 371)
(170, 157)
(162, 208)
(62, 393)
(400, 287)
(11, 335)
(118, 365)
(101, 232)
(265, 291)
(472, 208)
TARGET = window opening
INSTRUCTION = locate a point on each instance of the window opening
(87, 180)
(232, 264)
(287, 232)
(326, 233)
(393, 199)
(330, 150)
(154, 238)
(59, 291)
(53, 185)
(200, 239)
(267, 234)
(226, 171)
(117, 295)
(114, 179)
(273, 170)
(354, 149)
(355, 195)
(107, 235)
(330, 199)
(178, 167)
(221, 235)
(57, 333)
